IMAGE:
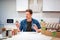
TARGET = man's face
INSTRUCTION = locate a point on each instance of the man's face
(28, 15)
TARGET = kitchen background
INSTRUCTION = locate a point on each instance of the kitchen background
(8, 11)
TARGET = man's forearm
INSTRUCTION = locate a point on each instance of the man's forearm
(38, 30)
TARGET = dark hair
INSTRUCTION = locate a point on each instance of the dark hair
(29, 10)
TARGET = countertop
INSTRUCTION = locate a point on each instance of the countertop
(31, 36)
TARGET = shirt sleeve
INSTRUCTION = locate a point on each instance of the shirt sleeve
(21, 26)
(38, 25)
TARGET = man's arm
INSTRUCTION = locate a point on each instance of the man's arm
(37, 27)
(21, 26)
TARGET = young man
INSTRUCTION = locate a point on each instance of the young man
(29, 24)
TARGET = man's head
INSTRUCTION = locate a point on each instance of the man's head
(29, 14)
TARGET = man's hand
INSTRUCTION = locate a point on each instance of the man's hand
(36, 29)
(39, 30)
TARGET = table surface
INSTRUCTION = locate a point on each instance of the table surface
(30, 36)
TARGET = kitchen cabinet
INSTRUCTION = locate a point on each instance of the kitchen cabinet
(21, 5)
(51, 6)
(35, 5)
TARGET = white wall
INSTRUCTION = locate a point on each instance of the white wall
(9, 11)
(48, 17)
(0, 12)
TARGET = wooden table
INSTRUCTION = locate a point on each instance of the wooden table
(48, 33)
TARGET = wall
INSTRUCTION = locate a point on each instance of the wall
(8, 10)
(48, 17)
(0, 12)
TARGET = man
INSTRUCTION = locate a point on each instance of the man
(29, 24)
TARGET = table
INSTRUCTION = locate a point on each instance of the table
(29, 36)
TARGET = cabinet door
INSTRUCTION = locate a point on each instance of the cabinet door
(35, 5)
(21, 5)
(51, 5)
